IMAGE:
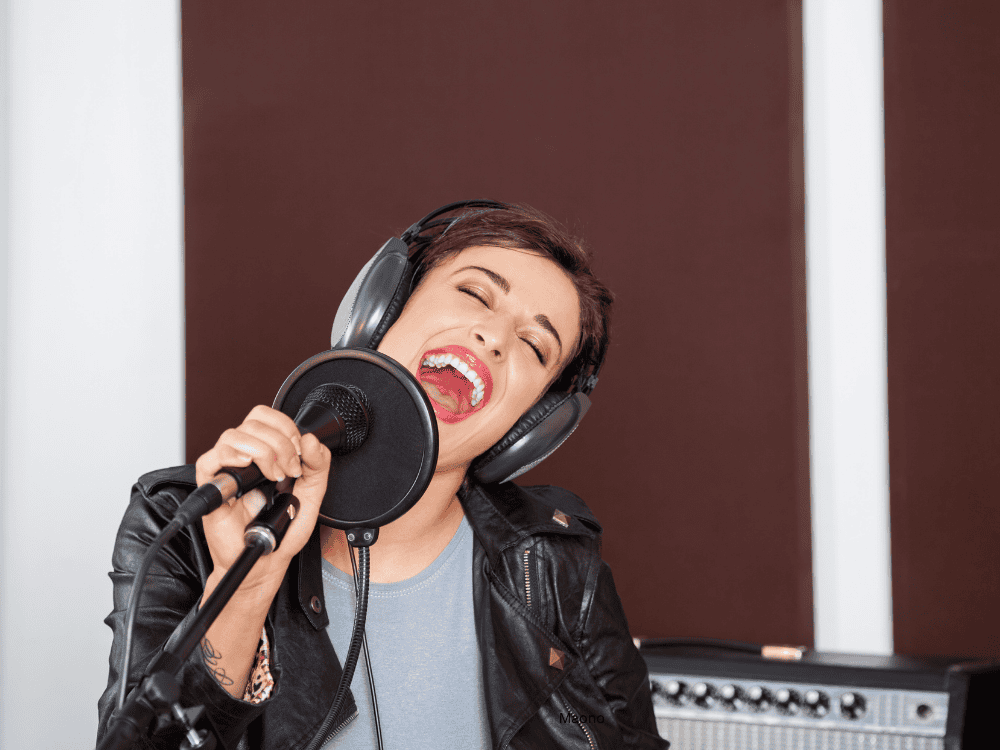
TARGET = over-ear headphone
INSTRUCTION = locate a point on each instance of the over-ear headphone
(376, 298)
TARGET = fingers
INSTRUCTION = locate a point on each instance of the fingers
(273, 452)
(270, 440)
(254, 501)
(315, 457)
(266, 437)
(278, 421)
(315, 462)
(310, 490)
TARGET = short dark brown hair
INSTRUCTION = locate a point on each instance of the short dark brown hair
(524, 228)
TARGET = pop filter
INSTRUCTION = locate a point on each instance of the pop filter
(381, 480)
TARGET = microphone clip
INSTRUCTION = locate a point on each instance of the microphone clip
(361, 537)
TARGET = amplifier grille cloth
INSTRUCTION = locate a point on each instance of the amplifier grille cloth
(688, 734)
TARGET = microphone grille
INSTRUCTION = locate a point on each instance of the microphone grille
(351, 403)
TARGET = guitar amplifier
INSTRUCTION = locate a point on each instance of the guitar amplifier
(715, 699)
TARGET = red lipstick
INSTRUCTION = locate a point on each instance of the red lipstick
(458, 382)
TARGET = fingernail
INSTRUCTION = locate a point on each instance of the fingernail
(280, 475)
(244, 457)
(297, 442)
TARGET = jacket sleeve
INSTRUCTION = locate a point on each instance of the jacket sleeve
(171, 596)
(616, 664)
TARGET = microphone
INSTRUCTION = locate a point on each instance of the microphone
(338, 414)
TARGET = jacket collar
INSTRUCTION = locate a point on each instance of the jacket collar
(505, 515)
(501, 516)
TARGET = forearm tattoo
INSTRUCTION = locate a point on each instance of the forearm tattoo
(211, 658)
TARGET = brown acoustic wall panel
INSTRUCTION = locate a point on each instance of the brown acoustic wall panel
(942, 117)
(667, 134)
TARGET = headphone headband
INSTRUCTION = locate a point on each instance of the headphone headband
(412, 235)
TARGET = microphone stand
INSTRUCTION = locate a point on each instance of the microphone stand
(157, 696)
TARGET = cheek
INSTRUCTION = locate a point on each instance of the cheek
(513, 409)
(391, 346)
(402, 339)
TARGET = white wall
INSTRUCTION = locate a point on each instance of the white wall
(93, 334)
(845, 258)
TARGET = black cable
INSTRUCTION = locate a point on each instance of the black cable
(138, 582)
(368, 663)
(719, 643)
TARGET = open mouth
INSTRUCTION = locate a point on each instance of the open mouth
(458, 384)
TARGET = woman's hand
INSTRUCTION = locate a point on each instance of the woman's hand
(271, 440)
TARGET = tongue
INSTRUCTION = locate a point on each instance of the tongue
(447, 387)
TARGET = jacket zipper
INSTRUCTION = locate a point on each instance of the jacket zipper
(330, 735)
(527, 576)
(582, 725)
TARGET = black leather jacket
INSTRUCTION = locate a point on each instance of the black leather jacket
(559, 666)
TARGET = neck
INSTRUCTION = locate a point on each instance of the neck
(412, 542)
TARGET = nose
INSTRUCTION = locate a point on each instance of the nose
(493, 337)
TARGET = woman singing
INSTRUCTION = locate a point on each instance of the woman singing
(492, 621)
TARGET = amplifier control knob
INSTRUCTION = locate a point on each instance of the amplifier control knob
(759, 698)
(787, 701)
(732, 697)
(704, 694)
(817, 703)
(676, 692)
(852, 705)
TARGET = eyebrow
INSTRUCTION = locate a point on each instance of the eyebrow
(545, 323)
(501, 282)
(496, 278)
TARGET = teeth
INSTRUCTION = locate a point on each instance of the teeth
(443, 360)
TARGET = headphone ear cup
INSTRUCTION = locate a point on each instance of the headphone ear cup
(542, 429)
(375, 298)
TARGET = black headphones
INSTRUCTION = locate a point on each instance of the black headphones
(376, 298)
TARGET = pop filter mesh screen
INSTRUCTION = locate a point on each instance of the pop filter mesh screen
(382, 479)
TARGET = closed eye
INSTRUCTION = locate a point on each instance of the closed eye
(538, 352)
(472, 292)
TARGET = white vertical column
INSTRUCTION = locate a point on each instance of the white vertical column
(93, 335)
(845, 255)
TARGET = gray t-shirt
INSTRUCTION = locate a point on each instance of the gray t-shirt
(425, 657)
